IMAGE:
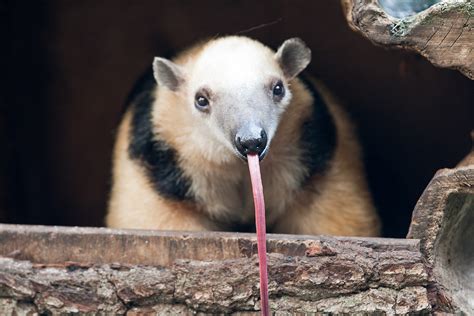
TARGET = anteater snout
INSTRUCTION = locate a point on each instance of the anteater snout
(251, 141)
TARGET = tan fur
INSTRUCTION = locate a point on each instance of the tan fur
(337, 203)
(133, 202)
(342, 204)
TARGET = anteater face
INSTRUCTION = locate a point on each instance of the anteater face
(238, 88)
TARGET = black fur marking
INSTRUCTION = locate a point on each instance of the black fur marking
(157, 157)
(319, 135)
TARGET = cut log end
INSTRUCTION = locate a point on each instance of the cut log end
(443, 220)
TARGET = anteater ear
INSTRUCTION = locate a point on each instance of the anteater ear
(167, 73)
(293, 57)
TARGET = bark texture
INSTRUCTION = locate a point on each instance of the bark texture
(307, 274)
(443, 33)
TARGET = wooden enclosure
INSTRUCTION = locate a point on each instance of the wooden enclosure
(68, 67)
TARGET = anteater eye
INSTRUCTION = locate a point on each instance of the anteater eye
(278, 89)
(201, 102)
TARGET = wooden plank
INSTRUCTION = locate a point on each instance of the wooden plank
(53, 244)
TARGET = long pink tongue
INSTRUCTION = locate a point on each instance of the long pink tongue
(257, 189)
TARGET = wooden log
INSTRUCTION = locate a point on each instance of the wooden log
(54, 270)
(443, 220)
(443, 33)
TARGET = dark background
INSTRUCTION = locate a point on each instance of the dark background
(67, 66)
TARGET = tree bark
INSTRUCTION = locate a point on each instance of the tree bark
(306, 273)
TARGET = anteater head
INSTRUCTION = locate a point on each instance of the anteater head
(238, 87)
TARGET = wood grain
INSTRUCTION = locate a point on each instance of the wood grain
(443, 33)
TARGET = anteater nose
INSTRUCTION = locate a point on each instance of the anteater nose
(251, 144)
